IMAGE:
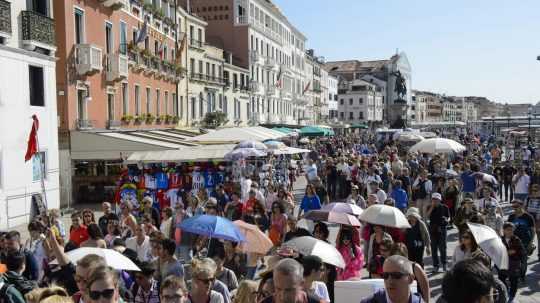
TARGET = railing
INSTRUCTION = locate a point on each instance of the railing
(37, 28)
(242, 20)
(255, 56)
(114, 4)
(195, 43)
(88, 58)
(5, 17)
(82, 124)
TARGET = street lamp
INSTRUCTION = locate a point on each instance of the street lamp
(529, 117)
(493, 125)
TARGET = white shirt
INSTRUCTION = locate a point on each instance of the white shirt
(172, 195)
(197, 181)
(522, 184)
(484, 203)
(311, 172)
(143, 250)
(381, 196)
(320, 290)
(526, 154)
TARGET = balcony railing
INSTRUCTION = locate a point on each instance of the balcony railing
(242, 20)
(5, 18)
(195, 43)
(82, 124)
(88, 58)
(114, 4)
(256, 57)
(117, 67)
(37, 30)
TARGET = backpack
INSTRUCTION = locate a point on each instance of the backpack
(421, 192)
(9, 294)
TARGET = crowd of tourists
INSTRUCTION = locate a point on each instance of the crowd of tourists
(436, 193)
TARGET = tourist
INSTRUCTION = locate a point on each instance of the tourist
(88, 217)
(12, 245)
(113, 232)
(247, 292)
(417, 237)
(352, 255)
(400, 196)
(15, 262)
(310, 201)
(521, 182)
(524, 229)
(467, 248)
(128, 223)
(102, 286)
(464, 213)
(203, 277)
(167, 264)
(398, 276)
(140, 243)
(107, 215)
(166, 223)
(321, 232)
(314, 270)
(95, 237)
(378, 236)
(223, 274)
(438, 215)
(468, 281)
(78, 232)
(146, 288)
(422, 188)
(533, 208)
(516, 253)
(234, 209)
(173, 290)
(36, 244)
(278, 225)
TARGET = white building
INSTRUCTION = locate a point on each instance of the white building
(332, 84)
(360, 101)
(27, 87)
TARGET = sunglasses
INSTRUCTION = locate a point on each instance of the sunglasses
(393, 275)
(206, 281)
(106, 294)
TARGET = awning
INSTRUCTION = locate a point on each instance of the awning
(360, 126)
(314, 131)
(185, 154)
(114, 145)
(237, 134)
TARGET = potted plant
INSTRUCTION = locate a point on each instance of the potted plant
(132, 47)
(148, 7)
(150, 118)
(168, 21)
(146, 53)
(175, 119)
(168, 118)
(126, 118)
(138, 119)
(158, 14)
(160, 118)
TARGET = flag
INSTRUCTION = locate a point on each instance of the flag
(161, 47)
(306, 88)
(278, 84)
(141, 35)
(32, 147)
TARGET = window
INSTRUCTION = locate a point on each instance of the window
(361, 115)
(110, 107)
(181, 107)
(36, 85)
(79, 26)
(341, 101)
(123, 38)
(192, 65)
(157, 102)
(201, 105)
(137, 100)
(174, 105)
(341, 115)
(193, 101)
(39, 166)
(148, 100)
(207, 69)
(351, 116)
(199, 35)
(224, 105)
(108, 38)
(125, 100)
(350, 101)
(361, 100)
(81, 104)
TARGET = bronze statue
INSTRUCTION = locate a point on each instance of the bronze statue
(400, 86)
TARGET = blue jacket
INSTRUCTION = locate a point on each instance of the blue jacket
(380, 297)
(401, 198)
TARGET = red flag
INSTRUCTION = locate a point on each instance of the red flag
(32, 147)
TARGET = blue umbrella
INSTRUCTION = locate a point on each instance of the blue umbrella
(212, 226)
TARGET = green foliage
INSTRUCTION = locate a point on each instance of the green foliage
(215, 119)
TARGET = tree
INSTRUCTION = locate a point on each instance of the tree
(215, 119)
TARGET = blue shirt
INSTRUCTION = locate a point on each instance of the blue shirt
(401, 197)
(162, 181)
(469, 182)
(310, 203)
(209, 181)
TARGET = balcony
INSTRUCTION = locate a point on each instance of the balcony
(256, 87)
(196, 44)
(113, 124)
(5, 19)
(114, 4)
(256, 57)
(271, 90)
(82, 124)
(270, 63)
(88, 59)
(117, 67)
(242, 20)
(37, 31)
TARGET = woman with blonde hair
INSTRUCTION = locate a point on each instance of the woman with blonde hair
(203, 272)
(246, 293)
(88, 217)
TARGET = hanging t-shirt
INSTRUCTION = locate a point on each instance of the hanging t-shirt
(175, 180)
(162, 199)
(150, 181)
(220, 177)
(174, 197)
(209, 181)
(197, 181)
(187, 180)
(162, 181)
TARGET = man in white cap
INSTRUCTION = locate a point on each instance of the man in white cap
(438, 215)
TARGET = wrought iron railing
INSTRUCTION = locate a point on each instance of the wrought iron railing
(37, 27)
(5, 17)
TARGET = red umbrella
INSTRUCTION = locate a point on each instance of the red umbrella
(332, 217)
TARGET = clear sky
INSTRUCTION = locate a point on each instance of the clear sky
(457, 47)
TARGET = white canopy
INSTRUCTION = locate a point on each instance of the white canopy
(237, 134)
(196, 153)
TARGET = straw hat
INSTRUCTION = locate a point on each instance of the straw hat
(413, 212)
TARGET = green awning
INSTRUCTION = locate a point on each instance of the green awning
(359, 125)
(284, 130)
(313, 131)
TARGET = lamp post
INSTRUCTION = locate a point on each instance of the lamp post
(493, 125)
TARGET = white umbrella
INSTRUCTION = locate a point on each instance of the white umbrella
(409, 136)
(112, 258)
(491, 244)
(487, 177)
(341, 207)
(251, 144)
(380, 214)
(310, 246)
(242, 153)
(437, 145)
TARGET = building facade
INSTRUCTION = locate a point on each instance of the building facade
(451, 111)
(360, 102)
(332, 85)
(27, 77)
(263, 41)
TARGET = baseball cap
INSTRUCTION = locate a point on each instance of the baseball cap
(436, 196)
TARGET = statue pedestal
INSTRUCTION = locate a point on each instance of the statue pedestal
(397, 111)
